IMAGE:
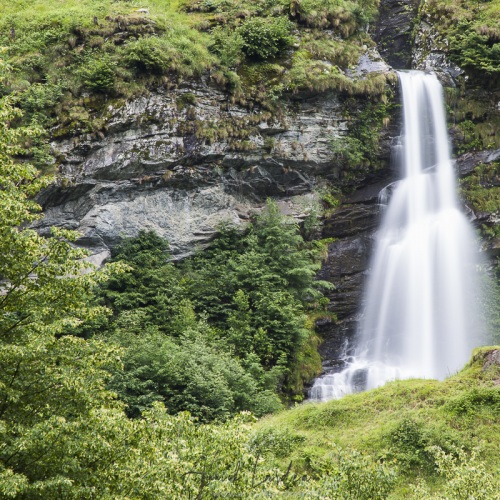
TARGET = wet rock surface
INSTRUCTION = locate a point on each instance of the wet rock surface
(467, 162)
(346, 267)
(393, 32)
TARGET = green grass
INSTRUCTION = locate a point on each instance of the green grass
(71, 59)
(398, 423)
(471, 31)
(481, 187)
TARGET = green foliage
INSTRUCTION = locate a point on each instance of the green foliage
(277, 442)
(484, 400)
(232, 319)
(471, 31)
(465, 477)
(357, 152)
(152, 287)
(343, 16)
(349, 474)
(410, 442)
(265, 38)
(228, 45)
(38, 99)
(178, 50)
(48, 382)
(474, 49)
(261, 286)
(470, 137)
(480, 188)
(187, 374)
(98, 74)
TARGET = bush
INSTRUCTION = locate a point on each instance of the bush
(412, 439)
(277, 442)
(477, 400)
(228, 45)
(181, 50)
(465, 477)
(344, 16)
(39, 97)
(253, 292)
(350, 475)
(98, 74)
(149, 55)
(265, 38)
(187, 374)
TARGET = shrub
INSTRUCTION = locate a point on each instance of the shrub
(465, 477)
(277, 442)
(411, 441)
(181, 50)
(187, 374)
(150, 55)
(344, 16)
(265, 38)
(228, 45)
(98, 74)
(350, 475)
(38, 97)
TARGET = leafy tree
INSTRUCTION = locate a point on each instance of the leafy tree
(232, 320)
(47, 381)
(189, 374)
(258, 289)
(152, 284)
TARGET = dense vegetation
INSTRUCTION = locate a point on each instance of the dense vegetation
(472, 31)
(468, 32)
(64, 435)
(223, 331)
(143, 379)
(69, 61)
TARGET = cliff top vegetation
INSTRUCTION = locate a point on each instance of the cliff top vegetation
(68, 58)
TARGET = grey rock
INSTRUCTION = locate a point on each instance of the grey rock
(369, 62)
(467, 162)
(346, 267)
(181, 169)
(492, 359)
(352, 220)
(430, 54)
(393, 32)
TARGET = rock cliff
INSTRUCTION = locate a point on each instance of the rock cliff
(181, 169)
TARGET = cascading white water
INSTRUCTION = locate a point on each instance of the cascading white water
(419, 318)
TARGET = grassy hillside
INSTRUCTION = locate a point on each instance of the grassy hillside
(69, 57)
(402, 427)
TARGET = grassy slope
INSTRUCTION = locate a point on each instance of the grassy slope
(82, 51)
(398, 422)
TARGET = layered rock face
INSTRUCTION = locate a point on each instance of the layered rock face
(394, 31)
(181, 162)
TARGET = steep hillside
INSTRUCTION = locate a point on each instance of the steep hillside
(175, 117)
(424, 431)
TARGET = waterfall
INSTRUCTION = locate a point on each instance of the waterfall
(419, 319)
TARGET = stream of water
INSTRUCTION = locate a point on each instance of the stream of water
(419, 317)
